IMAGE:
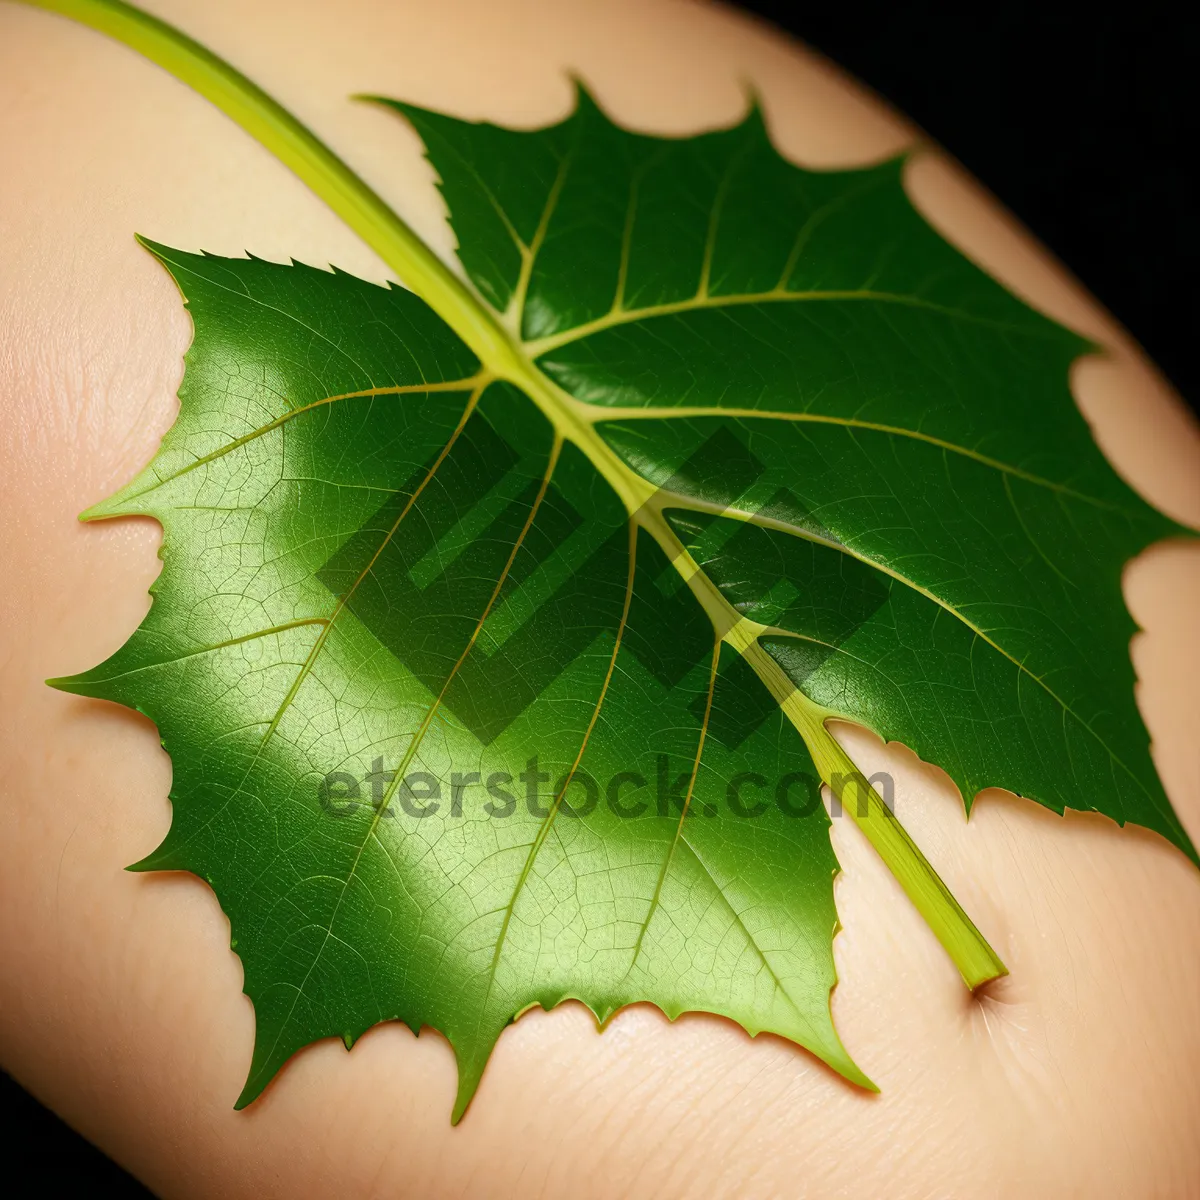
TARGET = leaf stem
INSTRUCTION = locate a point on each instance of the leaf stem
(968, 949)
(298, 148)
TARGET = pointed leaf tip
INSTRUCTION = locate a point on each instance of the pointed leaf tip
(585, 99)
(101, 511)
(64, 683)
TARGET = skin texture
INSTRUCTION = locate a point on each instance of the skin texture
(120, 1002)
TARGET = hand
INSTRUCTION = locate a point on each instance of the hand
(120, 1000)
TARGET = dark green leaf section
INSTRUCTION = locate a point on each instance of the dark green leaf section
(876, 650)
(497, 182)
(448, 739)
(802, 348)
(1021, 574)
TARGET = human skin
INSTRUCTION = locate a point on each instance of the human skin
(120, 1000)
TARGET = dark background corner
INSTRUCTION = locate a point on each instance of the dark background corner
(1083, 126)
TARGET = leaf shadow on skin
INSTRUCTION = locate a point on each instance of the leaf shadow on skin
(708, 1051)
(686, 1039)
(125, 721)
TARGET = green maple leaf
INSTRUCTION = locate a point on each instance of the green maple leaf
(499, 624)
